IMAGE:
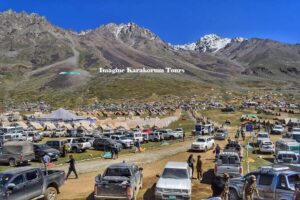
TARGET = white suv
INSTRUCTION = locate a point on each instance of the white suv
(175, 182)
(203, 143)
(169, 134)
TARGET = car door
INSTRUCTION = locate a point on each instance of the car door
(137, 175)
(34, 184)
(282, 190)
(265, 186)
(19, 191)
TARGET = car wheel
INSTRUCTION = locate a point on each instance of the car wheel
(233, 194)
(51, 193)
(75, 150)
(12, 162)
(172, 138)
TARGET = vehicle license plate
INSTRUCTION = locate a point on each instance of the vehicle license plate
(172, 197)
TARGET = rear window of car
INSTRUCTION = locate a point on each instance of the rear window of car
(265, 179)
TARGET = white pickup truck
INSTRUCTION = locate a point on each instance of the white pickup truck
(78, 144)
(169, 134)
(203, 143)
(175, 182)
(230, 163)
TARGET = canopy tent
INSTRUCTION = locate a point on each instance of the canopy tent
(65, 125)
(49, 126)
(22, 124)
(62, 115)
(36, 125)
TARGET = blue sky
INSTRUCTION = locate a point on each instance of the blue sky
(175, 21)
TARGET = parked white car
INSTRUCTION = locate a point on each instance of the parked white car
(180, 132)
(266, 146)
(126, 143)
(203, 143)
(175, 182)
(262, 136)
(169, 134)
(278, 129)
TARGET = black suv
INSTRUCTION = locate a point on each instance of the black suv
(41, 149)
(106, 144)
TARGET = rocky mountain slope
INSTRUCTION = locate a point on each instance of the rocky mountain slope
(33, 53)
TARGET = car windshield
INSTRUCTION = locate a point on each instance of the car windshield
(118, 172)
(278, 127)
(267, 143)
(296, 129)
(295, 149)
(178, 129)
(262, 136)
(4, 178)
(123, 138)
(200, 140)
(175, 173)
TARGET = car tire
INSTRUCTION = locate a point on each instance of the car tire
(51, 193)
(172, 137)
(75, 150)
(233, 195)
(12, 162)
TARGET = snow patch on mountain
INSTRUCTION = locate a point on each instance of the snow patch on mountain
(187, 47)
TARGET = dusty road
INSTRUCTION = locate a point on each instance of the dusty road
(153, 163)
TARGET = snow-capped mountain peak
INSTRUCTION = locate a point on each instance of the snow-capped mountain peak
(208, 43)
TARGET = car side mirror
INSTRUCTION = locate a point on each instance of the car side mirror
(11, 186)
(157, 175)
(98, 178)
(141, 169)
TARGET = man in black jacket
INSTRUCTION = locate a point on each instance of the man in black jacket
(71, 167)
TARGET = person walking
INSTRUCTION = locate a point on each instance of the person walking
(65, 150)
(225, 195)
(71, 167)
(116, 151)
(112, 151)
(217, 151)
(183, 136)
(190, 162)
(199, 168)
(46, 160)
(250, 188)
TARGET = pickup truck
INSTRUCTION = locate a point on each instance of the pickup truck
(230, 163)
(273, 183)
(78, 144)
(119, 181)
(30, 183)
(234, 147)
(175, 182)
(126, 143)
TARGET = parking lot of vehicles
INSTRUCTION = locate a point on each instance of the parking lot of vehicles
(30, 183)
(203, 143)
(119, 181)
(175, 182)
(16, 152)
(230, 163)
(273, 183)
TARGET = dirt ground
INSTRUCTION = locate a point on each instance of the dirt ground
(82, 188)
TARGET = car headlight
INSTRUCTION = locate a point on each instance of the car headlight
(50, 154)
(185, 191)
(159, 189)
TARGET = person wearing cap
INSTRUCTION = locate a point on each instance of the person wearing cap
(225, 195)
(250, 188)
